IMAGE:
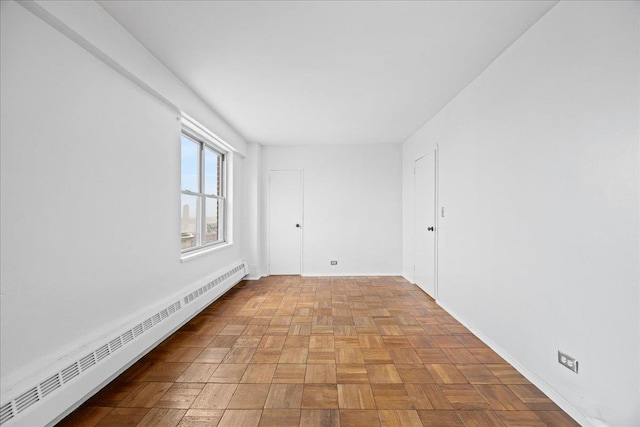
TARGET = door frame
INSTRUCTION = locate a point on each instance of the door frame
(436, 221)
(268, 215)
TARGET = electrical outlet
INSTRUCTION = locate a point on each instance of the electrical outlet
(334, 262)
(568, 361)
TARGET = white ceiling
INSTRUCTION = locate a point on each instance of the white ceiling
(287, 72)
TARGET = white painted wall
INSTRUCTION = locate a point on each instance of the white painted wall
(352, 206)
(90, 192)
(539, 168)
(252, 221)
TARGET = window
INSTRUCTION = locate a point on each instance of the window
(203, 198)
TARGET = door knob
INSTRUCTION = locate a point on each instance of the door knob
(429, 228)
(297, 225)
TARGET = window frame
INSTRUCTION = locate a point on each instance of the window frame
(204, 143)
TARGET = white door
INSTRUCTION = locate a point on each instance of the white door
(285, 222)
(425, 222)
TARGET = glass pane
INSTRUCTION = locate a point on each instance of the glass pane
(190, 219)
(213, 223)
(190, 165)
(212, 170)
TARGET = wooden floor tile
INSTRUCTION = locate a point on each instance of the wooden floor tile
(349, 355)
(430, 356)
(400, 418)
(197, 373)
(289, 373)
(459, 355)
(480, 419)
(259, 373)
(419, 396)
(404, 356)
(355, 396)
(446, 374)
(272, 341)
(146, 395)
(113, 394)
(240, 417)
(383, 373)
(556, 419)
(224, 341)
(322, 342)
(359, 418)
(352, 373)
(180, 396)
(214, 396)
(533, 398)
(294, 355)
(249, 396)
(228, 373)
(464, 397)
(507, 374)
(414, 374)
(376, 355)
(123, 417)
(326, 356)
(317, 396)
(162, 417)
(500, 397)
(87, 416)
(212, 355)
(317, 374)
(165, 371)
(284, 396)
(477, 374)
(320, 418)
(439, 418)
(297, 341)
(239, 355)
(391, 396)
(280, 418)
(520, 418)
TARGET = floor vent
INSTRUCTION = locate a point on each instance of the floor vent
(11, 409)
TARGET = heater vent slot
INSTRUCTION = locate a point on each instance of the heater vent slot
(26, 399)
(47, 386)
(127, 337)
(103, 352)
(88, 361)
(138, 330)
(6, 413)
(147, 324)
(70, 372)
(115, 344)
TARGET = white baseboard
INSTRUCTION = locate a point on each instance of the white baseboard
(533, 378)
(48, 395)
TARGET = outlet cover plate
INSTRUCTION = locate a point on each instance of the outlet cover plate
(568, 361)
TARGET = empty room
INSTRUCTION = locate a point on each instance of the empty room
(320, 213)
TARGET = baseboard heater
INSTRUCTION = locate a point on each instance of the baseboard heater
(46, 401)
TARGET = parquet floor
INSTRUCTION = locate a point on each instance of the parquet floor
(292, 351)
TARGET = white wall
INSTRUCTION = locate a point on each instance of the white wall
(352, 206)
(539, 177)
(90, 192)
(252, 221)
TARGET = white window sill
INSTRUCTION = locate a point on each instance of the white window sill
(204, 251)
